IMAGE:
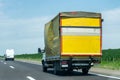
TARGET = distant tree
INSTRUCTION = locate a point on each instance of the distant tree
(39, 50)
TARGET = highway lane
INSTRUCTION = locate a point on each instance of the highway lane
(15, 70)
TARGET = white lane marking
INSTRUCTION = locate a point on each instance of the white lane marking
(5, 63)
(30, 78)
(12, 67)
(113, 77)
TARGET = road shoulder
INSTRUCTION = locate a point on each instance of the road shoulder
(106, 71)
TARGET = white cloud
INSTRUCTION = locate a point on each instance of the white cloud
(25, 24)
(25, 35)
(113, 16)
(111, 28)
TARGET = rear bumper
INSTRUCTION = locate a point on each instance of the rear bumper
(78, 64)
(72, 63)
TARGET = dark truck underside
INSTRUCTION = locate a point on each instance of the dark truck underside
(69, 64)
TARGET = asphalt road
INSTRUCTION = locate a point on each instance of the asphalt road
(15, 70)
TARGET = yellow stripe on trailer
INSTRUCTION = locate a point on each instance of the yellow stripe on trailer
(80, 45)
(84, 22)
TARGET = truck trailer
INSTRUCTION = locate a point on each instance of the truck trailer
(73, 40)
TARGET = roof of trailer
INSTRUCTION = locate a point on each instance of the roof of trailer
(80, 14)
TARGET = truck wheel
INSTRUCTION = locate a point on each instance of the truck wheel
(13, 59)
(55, 71)
(5, 59)
(85, 71)
(44, 68)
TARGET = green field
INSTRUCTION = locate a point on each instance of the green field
(34, 56)
(110, 58)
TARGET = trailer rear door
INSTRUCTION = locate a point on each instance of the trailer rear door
(81, 36)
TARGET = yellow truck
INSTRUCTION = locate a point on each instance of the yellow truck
(73, 40)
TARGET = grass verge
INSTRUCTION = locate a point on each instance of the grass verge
(29, 57)
(111, 59)
(110, 65)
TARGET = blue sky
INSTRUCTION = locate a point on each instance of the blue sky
(22, 21)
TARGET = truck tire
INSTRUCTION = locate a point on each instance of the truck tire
(13, 59)
(55, 70)
(85, 71)
(5, 59)
(44, 68)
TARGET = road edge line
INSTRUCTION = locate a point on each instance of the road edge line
(113, 77)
